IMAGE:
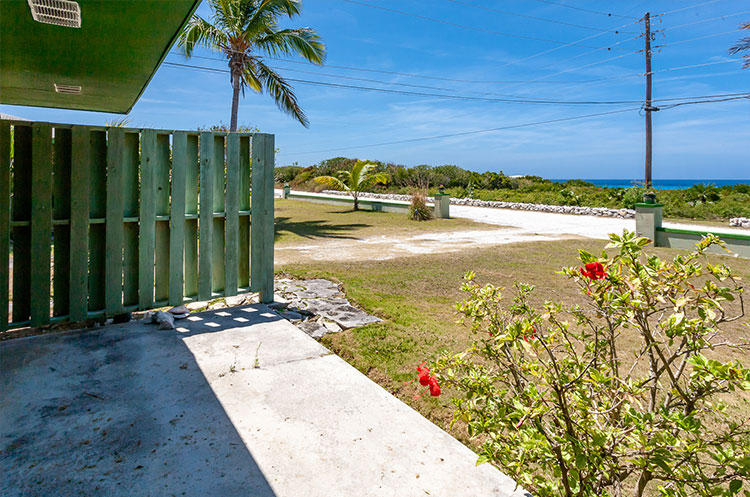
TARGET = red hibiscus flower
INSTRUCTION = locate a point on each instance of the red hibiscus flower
(593, 270)
(532, 335)
(434, 387)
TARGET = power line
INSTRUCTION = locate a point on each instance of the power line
(466, 133)
(420, 94)
(695, 39)
(544, 19)
(686, 8)
(608, 14)
(462, 26)
(718, 18)
(729, 99)
(451, 97)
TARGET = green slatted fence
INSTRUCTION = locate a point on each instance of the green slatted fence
(100, 221)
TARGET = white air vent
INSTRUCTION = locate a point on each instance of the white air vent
(58, 12)
(70, 89)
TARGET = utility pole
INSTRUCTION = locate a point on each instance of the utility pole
(648, 109)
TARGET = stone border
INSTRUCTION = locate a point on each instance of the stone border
(740, 222)
(557, 209)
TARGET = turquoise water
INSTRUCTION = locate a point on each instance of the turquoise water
(662, 184)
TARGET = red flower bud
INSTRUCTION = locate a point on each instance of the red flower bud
(434, 387)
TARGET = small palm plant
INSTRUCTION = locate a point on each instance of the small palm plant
(248, 31)
(355, 181)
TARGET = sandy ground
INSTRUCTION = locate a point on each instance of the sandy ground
(514, 226)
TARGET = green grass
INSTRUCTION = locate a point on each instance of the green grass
(298, 221)
(416, 296)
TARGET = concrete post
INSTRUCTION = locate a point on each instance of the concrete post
(647, 220)
(286, 190)
(442, 204)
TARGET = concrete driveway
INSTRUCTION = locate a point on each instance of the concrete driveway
(236, 402)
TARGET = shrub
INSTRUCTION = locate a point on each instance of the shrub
(558, 403)
(418, 209)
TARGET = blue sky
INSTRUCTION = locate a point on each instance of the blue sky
(473, 44)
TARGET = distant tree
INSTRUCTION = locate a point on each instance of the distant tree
(360, 177)
(743, 46)
(245, 31)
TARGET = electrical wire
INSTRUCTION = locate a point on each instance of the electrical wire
(672, 106)
(466, 133)
(703, 20)
(685, 8)
(608, 14)
(544, 19)
(454, 97)
(463, 26)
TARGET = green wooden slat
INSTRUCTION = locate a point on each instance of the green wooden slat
(4, 223)
(191, 225)
(231, 268)
(177, 217)
(97, 210)
(217, 235)
(161, 247)
(206, 215)
(130, 247)
(147, 233)
(114, 233)
(21, 211)
(262, 218)
(243, 279)
(41, 223)
(61, 195)
(79, 224)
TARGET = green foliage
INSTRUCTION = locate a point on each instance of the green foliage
(560, 406)
(356, 180)
(418, 209)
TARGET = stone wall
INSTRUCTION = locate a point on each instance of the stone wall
(560, 209)
(740, 222)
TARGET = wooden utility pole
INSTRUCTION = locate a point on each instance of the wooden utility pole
(648, 108)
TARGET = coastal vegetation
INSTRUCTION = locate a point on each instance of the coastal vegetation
(702, 202)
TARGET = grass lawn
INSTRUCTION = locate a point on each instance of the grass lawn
(300, 221)
(416, 296)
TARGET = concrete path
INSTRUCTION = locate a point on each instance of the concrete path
(236, 402)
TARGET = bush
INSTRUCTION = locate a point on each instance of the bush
(559, 405)
(418, 209)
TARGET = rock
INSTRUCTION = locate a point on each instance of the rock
(179, 309)
(236, 300)
(340, 311)
(278, 305)
(165, 320)
(313, 328)
(330, 326)
(196, 306)
(291, 316)
(180, 316)
(217, 305)
(318, 288)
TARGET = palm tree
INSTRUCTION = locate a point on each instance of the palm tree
(355, 181)
(743, 46)
(247, 30)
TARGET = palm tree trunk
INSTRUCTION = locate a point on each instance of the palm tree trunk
(235, 101)
(356, 202)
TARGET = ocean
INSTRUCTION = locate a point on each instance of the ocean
(662, 184)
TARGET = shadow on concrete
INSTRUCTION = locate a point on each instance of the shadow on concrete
(316, 228)
(120, 411)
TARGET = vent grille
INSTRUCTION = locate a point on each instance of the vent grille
(69, 89)
(58, 12)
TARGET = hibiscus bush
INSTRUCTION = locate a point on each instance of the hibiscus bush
(624, 395)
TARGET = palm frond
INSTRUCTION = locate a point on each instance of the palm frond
(199, 31)
(250, 77)
(267, 11)
(281, 91)
(334, 183)
(304, 42)
(374, 179)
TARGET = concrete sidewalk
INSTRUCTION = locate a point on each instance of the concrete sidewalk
(236, 402)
